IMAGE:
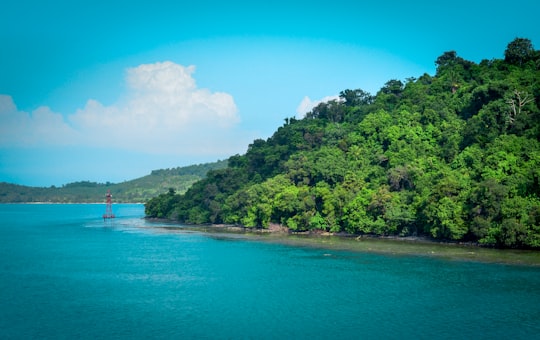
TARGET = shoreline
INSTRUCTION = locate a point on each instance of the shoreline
(385, 245)
(282, 230)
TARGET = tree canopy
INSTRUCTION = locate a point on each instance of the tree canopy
(452, 156)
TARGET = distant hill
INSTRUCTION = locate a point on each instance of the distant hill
(135, 191)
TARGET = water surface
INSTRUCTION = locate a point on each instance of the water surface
(65, 273)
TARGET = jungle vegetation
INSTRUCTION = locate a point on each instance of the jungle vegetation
(451, 156)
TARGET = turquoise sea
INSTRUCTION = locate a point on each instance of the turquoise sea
(67, 274)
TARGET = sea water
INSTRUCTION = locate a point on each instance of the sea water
(67, 274)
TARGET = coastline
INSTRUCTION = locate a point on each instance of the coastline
(385, 245)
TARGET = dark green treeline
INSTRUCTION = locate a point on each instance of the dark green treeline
(454, 156)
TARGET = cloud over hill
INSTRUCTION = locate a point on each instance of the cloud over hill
(162, 111)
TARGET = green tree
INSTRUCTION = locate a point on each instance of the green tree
(519, 51)
(356, 97)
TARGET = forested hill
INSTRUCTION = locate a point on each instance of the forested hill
(135, 191)
(453, 156)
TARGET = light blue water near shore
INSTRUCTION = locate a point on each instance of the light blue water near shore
(64, 273)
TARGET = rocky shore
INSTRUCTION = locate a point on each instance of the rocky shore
(388, 245)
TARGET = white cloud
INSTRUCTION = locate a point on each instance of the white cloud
(19, 128)
(163, 111)
(307, 105)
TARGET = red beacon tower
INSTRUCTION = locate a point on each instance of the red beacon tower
(108, 209)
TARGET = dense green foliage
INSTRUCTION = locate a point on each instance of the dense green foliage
(454, 156)
(135, 191)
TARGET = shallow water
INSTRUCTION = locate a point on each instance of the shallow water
(65, 273)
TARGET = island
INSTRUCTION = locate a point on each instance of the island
(453, 156)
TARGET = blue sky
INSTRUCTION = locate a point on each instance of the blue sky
(110, 90)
